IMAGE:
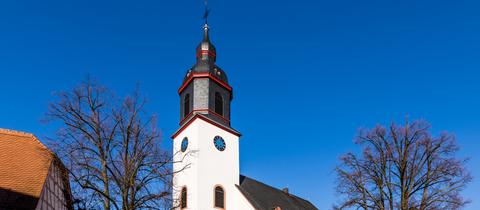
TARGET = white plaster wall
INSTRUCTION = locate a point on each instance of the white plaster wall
(208, 167)
(240, 202)
(186, 166)
(217, 167)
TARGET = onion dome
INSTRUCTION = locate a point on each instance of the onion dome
(206, 57)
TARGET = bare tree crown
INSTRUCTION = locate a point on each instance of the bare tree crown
(111, 147)
(402, 167)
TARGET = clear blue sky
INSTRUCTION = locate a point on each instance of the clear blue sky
(306, 73)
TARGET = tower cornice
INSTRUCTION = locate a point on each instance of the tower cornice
(203, 75)
(208, 120)
(204, 111)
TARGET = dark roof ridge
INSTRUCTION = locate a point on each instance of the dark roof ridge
(259, 182)
(283, 199)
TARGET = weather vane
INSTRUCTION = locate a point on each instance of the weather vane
(207, 11)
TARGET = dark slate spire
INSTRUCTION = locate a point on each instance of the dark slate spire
(206, 57)
(205, 50)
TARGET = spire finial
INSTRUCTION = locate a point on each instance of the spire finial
(207, 11)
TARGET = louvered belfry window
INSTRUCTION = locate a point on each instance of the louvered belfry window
(183, 201)
(219, 197)
(186, 105)
(218, 103)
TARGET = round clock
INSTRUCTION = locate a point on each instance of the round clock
(219, 143)
(184, 144)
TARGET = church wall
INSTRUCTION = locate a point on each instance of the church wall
(241, 202)
(186, 162)
(208, 167)
(217, 167)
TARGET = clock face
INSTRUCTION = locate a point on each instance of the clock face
(219, 143)
(184, 144)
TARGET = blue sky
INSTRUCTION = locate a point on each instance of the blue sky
(306, 74)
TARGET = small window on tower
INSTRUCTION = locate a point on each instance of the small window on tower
(186, 105)
(183, 198)
(218, 103)
(219, 197)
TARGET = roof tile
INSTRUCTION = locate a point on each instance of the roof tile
(24, 163)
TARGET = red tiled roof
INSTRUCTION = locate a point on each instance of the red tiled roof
(24, 163)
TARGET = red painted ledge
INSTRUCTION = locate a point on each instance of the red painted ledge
(203, 75)
(199, 116)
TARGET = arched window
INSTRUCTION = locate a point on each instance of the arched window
(183, 198)
(186, 105)
(219, 197)
(218, 103)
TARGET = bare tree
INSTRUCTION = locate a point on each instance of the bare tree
(402, 167)
(111, 147)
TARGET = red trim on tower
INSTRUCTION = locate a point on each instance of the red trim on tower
(220, 82)
(208, 121)
(206, 52)
(182, 128)
(186, 118)
(218, 115)
(204, 110)
(203, 75)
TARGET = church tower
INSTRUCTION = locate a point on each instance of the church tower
(205, 88)
(206, 147)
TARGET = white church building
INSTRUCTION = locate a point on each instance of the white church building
(206, 147)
